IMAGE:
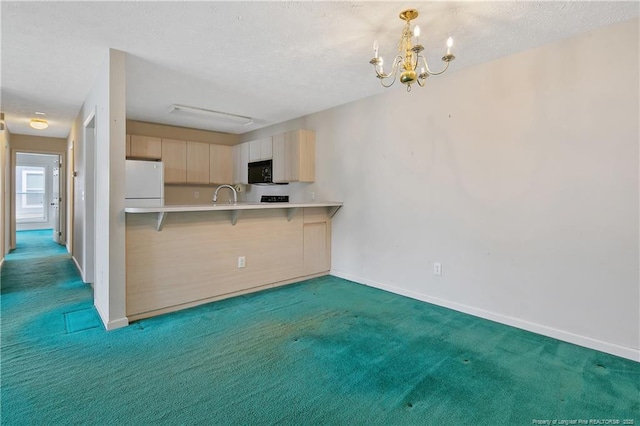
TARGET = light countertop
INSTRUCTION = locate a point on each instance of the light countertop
(227, 206)
(235, 209)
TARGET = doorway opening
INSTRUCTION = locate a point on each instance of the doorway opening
(39, 188)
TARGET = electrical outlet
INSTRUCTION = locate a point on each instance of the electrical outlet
(437, 268)
(313, 196)
(241, 262)
(196, 194)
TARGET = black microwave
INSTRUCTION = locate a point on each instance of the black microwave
(261, 172)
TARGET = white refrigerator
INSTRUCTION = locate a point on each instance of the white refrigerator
(144, 183)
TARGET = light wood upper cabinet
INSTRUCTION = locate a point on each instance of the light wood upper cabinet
(128, 146)
(260, 149)
(220, 164)
(294, 156)
(197, 162)
(240, 163)
(146, 147)
(174, 157)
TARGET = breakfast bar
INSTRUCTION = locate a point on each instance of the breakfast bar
(210, 252)
(234, 208)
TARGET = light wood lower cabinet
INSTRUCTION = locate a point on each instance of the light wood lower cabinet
(174, 157)
(197, 162)
(220, 164)
(316, 246)
(317, 241)
(194, 259)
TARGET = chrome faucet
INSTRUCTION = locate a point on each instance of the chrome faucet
(235, 193)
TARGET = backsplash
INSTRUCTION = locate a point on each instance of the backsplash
(253, 193)
(186, 194)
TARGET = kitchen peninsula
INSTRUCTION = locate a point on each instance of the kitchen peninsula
(182, 256)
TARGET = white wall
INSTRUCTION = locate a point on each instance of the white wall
(107, 99)
(111, 177)
(520, 176)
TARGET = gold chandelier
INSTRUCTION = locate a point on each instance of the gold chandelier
(409, 56)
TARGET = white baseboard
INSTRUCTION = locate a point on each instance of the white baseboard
(111, 324)
(79, 268)
(117, 323)
(566, 336)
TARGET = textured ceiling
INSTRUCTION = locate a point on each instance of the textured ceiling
(270, 60)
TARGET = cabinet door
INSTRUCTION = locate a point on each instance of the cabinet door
(294, 156)
(220, 164)
(266, 148)
(197, 162)
(254, 150)
(128, 146)
(306, 156)
(317, 258)
(240, 163)
(279, 159)
(146, 147)
(260, 149)
(174, 157)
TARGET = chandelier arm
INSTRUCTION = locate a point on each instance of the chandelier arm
(394, 68)
(421, 81)
(397, 62)
(390, 84)
(426, 67)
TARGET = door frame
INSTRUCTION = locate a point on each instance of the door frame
(12, 194)
(90, 138)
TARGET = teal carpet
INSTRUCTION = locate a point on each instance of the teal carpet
(324, 351)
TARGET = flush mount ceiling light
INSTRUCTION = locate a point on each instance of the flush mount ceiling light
(409, 56)
(38, 124)
(215, 115)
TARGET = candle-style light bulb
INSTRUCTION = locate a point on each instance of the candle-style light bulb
(449, 44)
(375, 48)
(416, 33)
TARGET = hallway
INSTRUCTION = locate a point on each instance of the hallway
(39, 271)
(43, 296)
